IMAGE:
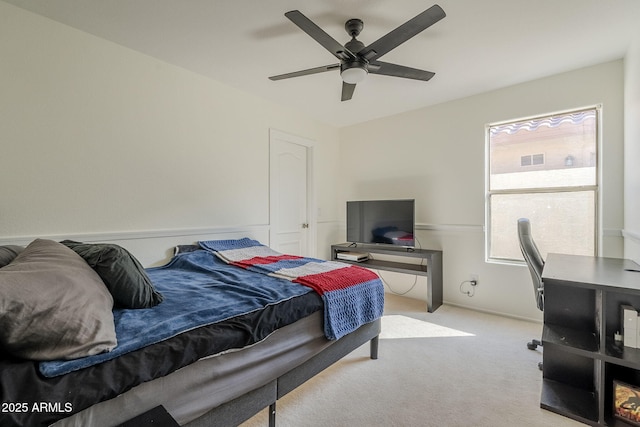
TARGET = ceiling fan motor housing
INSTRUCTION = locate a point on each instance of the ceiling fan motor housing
(354, 45)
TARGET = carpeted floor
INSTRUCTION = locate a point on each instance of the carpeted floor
(454, 367)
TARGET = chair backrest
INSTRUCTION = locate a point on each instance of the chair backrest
(533, 259)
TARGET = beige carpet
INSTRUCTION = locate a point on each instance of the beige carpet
(454, 367)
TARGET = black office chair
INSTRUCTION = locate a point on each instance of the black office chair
(535, 263)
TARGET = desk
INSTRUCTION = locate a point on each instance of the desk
(582, 303)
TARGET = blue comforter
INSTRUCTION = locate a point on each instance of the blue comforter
(199, 289)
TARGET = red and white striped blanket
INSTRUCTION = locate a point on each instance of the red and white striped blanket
(352, 295)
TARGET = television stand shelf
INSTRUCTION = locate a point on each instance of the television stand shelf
(432, 269)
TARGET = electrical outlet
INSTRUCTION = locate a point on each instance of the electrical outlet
(474, 278)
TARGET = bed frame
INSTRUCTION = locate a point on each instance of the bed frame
(244, 407)
(219, 397)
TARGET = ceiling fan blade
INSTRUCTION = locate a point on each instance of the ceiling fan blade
(305, 72)
(347, 91)
(319, 35)
(403, 33)
(395, 70)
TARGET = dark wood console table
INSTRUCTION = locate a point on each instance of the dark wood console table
(582, 302)
(432, 269)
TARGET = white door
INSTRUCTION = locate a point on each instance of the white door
(290, 223)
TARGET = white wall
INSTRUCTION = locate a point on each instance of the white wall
(99, 138)
(632, 153)
(436, 155)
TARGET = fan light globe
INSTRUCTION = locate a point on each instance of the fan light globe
(353, 75)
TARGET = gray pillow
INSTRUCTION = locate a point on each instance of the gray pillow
(53, 305)
(8, 253)
(121, 272)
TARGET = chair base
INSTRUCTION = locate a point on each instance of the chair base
(534, 344)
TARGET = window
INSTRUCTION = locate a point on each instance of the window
(544, 169)
(532, 159)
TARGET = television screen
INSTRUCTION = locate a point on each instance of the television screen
(388, 222)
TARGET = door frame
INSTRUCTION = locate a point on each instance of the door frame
(275, 134)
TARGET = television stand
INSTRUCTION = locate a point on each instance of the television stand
(432, 270)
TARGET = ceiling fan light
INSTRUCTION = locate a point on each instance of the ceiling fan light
(353, 75)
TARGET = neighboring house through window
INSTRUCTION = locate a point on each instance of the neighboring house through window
(544, 169)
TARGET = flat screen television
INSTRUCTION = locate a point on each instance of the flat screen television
(386, 222)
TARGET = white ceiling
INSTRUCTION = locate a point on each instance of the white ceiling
(479, 46)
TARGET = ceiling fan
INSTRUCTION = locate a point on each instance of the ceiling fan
(356, 59)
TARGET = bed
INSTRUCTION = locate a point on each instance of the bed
(217, 361)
